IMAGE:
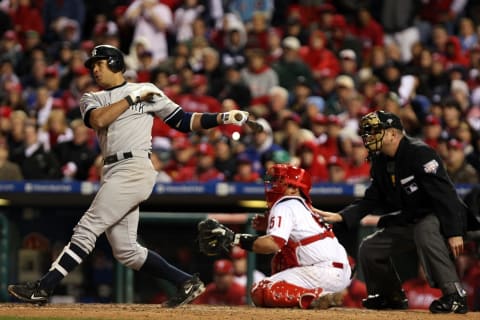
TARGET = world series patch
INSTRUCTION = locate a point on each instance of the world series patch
(431, 166)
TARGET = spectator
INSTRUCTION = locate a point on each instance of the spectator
(235, 88)
(240, 265)
(205, 170)
(419, 293)
(368, 30)
(299, 94)
(259, 77)
(349, 64)
(317, 56)
(75, 157)
(35, 162)
(223, 290)
(16, 130)
(54, 11)
(158, 164)
(294, 28)
(25, 17)
(468, 37)
(459, 170)
(294, 134)
(252, 13)
(337, 170)
(244, 170)
(183, 155)
(183, 18)
(151, 19)
(225, 161)
(10, 48)
(9, 171)
(344, 89)
(312, 161)
(213, 70)
(330, 146)
(138, 46)
(397, 20)
(432, 129)
(262, 143)
(233, 52)
(258, 31)
(55, 130)
(275, 50)
(198, 100)
(276, 107)
(358, 166)
(291, 66)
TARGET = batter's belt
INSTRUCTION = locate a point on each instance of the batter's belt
(125, 155)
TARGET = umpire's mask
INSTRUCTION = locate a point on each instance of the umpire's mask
(372, 128)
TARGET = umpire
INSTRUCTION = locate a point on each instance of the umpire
(420, 209)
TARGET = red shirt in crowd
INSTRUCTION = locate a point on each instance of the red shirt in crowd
(234, 296)
(419, 293)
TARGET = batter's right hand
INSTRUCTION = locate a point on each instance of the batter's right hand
(145, 93)
(330, 217)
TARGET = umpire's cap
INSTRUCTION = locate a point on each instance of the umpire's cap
(113, 56)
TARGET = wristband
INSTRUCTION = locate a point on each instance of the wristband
(246, 241)
(209, 120)
(129, 100)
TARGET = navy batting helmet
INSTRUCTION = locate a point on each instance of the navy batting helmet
(113, 56)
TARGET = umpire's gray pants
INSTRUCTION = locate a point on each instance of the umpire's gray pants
(377, 249)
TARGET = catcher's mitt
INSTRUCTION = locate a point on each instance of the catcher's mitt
(214, 238)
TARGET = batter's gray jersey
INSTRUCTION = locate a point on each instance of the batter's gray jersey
(132, 129)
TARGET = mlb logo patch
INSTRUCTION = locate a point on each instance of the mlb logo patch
(431, 166)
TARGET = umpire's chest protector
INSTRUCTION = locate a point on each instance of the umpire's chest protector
(412, 179)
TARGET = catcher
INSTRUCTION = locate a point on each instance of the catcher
(310, 267)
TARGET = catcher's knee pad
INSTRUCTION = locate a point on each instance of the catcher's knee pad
(257, 293)
(132, 258)
(284, 294)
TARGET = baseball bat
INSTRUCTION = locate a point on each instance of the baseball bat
(255, 126)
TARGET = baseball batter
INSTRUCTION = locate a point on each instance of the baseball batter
(122, 116)
(310, 267)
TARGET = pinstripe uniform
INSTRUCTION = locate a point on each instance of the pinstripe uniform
(126, 182)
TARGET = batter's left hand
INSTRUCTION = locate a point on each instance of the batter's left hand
(456, 245)
(235, 117)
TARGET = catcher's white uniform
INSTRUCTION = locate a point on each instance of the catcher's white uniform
(316, 259)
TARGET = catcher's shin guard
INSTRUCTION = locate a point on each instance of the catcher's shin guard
(282, 294)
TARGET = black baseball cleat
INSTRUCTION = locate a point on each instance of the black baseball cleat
(379, 302)
(187, 292)
(449, 303)
(29, 292)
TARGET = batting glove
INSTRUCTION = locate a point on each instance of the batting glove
(145, 92)
(235, 117)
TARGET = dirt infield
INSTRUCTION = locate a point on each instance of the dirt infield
(193, 312)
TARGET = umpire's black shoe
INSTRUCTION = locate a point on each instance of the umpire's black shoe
(379, 302)
(449, 303)
(29, 292)
(187, 292)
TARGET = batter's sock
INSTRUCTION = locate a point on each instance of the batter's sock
(158, 267)
(71, 256)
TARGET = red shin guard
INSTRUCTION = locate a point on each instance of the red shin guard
(282, 294)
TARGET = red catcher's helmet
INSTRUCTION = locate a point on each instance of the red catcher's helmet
(280, 176)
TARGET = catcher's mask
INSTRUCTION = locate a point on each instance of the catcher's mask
(373, 126)
(280, 176)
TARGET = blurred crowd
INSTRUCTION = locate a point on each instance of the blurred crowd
(306, 70)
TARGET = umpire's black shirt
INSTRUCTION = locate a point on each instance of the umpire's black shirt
(413, 182)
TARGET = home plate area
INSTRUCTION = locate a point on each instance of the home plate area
(199, 312)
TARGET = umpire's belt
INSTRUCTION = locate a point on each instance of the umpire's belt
(125, 155)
